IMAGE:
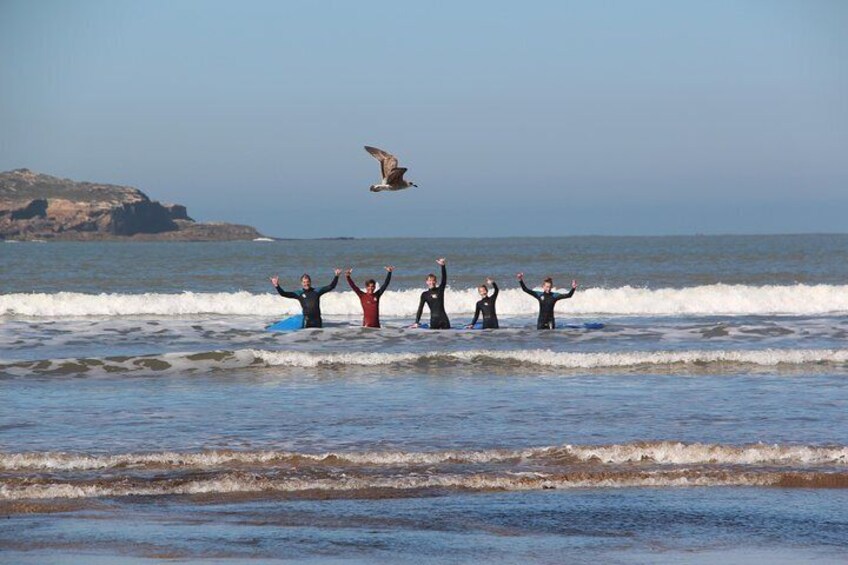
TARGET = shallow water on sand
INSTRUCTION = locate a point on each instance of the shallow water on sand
(146, 412)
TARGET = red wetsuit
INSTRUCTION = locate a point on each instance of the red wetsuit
(370, 302)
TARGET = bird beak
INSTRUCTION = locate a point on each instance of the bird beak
(415, 185)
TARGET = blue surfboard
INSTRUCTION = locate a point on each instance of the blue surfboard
(586, 326)
(477, 326)
(287, 324)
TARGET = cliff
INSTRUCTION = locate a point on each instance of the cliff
(38, 206)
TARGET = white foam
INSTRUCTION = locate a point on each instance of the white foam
(661, 453)
(677, 453)
(245, 483)
(243, 358)
(716, 299)
(560, 359)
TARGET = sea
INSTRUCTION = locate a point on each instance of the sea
(146, 414)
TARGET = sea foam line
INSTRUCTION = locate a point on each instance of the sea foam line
(660, 452)
(718, 299)
(481, 358)
(252, 483)
(560, 359)
(240, 482)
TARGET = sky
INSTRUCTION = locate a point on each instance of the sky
(514, 118)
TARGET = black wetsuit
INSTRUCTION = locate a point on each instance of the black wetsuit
(435, 299)
(486, 307)
(547, 301)
(310, 302)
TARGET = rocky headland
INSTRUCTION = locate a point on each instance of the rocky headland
(39, 206)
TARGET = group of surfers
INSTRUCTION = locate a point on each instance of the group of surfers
(434, 297)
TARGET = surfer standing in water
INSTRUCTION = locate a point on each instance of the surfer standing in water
(310, 299)
(370, 299)
(434, 297)
(547, 300)
(486, 307)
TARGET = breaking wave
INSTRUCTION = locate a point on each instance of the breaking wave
(660, 452)
(478, 358)
(252, 483)
(718, 299)
(59, 475)
(565, 360)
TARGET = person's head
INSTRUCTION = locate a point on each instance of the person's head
(547, 284)
(370, 286)
(306, 281)
(483, 290)
(431, 281)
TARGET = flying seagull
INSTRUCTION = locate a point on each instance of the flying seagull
(392, 174)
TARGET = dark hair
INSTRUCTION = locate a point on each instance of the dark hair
(548, 280)
(431, 276)
(370, 281)
(483, 286)
(305, 276)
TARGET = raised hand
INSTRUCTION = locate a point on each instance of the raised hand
(390, 268)
(441, 261)
(573, 284)
(337, 271)
(520, 276)
(348, 271)
(275, 280)
(490, 280)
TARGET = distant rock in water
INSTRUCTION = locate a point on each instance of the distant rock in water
(38, 206)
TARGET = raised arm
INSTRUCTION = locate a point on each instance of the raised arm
(275, 281)
(286, 293)
(351, 283)
(444, 282)
(420, 309)
(386, 282)
(332, 285)
(496, 290)
(529, 291)
(568, 294)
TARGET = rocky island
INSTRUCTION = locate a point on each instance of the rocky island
(39, 206)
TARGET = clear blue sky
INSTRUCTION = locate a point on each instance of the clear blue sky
(515, 118)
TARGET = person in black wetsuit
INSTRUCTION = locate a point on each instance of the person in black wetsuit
(547, 300)
(434, 297)
(309, 298)
(486, 307)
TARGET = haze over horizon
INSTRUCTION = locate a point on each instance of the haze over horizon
(571, 118)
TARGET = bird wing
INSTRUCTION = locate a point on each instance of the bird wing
(396, 175)
(387, 161)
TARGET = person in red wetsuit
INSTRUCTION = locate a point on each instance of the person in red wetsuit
(370, 299)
